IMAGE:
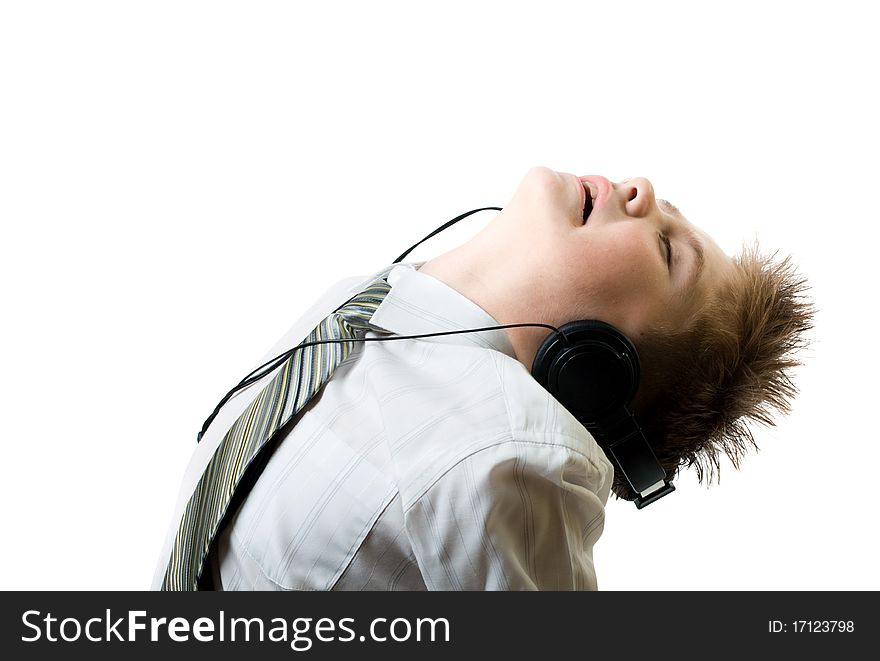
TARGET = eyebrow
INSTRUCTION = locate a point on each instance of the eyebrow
(669, 206)
(697, 270)
(695, 244)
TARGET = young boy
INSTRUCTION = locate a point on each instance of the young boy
(440, 463)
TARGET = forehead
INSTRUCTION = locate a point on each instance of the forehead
(718, 266)
(706, 256)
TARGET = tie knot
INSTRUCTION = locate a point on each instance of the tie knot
(359, 309)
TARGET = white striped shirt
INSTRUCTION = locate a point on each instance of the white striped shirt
(435, 463)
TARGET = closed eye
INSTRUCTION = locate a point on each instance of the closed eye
(668, 244)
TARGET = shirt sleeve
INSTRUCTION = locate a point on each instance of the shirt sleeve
(518, 515)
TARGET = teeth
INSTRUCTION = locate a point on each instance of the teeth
(590, 190)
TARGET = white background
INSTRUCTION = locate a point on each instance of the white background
(172, 174)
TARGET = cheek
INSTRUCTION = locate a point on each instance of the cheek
(621, 279)
(626, 260)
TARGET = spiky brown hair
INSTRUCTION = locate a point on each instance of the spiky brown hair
(705, 384)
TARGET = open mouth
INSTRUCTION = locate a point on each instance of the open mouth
(588, 208)
(590, 198)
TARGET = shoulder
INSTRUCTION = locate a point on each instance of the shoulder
(534, 415)
(517, 507)
(493, 419)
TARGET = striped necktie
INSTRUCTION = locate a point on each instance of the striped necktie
(299, 378)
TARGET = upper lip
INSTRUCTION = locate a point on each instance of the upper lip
(603, 189)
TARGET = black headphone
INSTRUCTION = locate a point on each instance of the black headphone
(592, 369)
(589, 367)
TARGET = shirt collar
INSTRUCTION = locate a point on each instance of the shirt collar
(419, 303)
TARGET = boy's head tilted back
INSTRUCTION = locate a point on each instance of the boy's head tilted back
(716, 335)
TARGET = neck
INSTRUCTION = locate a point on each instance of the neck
(491, 272)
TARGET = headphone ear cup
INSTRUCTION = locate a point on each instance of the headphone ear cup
(594, 374)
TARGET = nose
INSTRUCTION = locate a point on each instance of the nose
(638, 196)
